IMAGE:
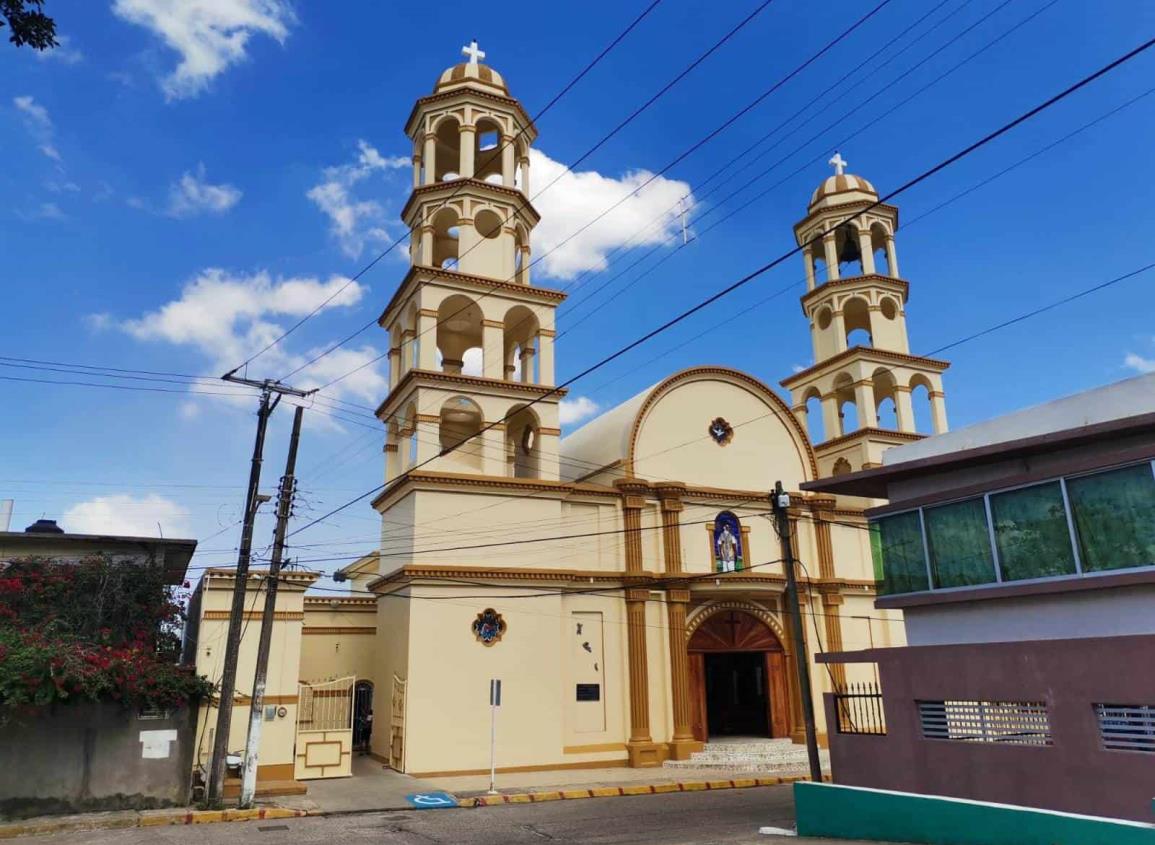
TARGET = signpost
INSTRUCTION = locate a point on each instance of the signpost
(494, 703)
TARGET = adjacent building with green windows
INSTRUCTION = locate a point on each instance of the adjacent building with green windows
(1021, 552)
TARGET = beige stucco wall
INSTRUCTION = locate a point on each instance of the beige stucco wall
(339, 639)
(279, 734)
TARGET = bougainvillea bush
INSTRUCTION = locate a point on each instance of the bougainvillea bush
(94, 630)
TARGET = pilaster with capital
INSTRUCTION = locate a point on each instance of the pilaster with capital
(641, 748)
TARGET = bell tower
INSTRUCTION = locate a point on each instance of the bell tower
(864, 382)
(470, 339)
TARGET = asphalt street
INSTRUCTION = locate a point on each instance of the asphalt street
(724, 817)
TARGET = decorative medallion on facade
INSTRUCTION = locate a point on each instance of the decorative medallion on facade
(721, 431)
(488, 627)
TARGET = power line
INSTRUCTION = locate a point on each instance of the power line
(741, 282)
(493, 157)
(680, 157)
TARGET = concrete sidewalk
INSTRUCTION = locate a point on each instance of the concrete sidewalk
(373, 786)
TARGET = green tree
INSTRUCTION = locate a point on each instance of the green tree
(28, 23)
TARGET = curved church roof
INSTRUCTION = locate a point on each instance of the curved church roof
(612, 437)
(467, 72)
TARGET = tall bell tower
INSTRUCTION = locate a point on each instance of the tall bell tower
(864, 378)
(470, 339)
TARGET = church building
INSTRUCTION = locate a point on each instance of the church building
(623, 582)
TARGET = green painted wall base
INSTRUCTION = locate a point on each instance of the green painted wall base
(851, 812)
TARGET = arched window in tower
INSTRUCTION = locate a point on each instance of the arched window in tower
(407, 437)
(522, 447)
(815, 423)
(488, 154)
(520, 345)
(878, 238)
(446, 239)
(818, 262)
(459, 330)
(885, 399)
(727, 543)
(920, 388)
(847, 406)
(459, 427)
(849, 252)
(856, 319)
(447, 164)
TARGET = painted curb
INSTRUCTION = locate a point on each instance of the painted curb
(143, 818)
(616, 791)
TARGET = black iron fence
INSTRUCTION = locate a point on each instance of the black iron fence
(860, 709)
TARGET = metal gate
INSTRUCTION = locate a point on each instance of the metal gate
(397, 726)
(324, 730)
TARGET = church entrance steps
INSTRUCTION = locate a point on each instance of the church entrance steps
(777, 756)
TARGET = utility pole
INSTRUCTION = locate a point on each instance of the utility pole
(284, 511)
(780, 502)
(271, 393)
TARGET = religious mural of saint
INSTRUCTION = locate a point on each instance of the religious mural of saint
(728, 552)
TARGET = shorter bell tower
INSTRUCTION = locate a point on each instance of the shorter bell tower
(864, 382)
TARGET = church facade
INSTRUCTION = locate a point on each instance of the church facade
(624, 582)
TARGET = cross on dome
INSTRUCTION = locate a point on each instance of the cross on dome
(838, 162)
(473, 52)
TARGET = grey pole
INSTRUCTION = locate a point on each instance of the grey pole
(233, 641)
(780, 501)
(284, 507)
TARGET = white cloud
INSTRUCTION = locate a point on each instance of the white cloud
(39, 125)
(44, 211)
(577, 198)
(353, 221)
(126, 515)
(1138, 363)
(570, 411)
(192, 195)
(209, 35)
(63, 52)
(227, 317)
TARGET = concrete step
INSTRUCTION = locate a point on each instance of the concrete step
(774, 756)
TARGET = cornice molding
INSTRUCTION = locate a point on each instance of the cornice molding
(867, 280)
(465, 92)
(498, 483)
(466, 282)
(867, 434)
(419, 194)
(472, 384)
(869, 353)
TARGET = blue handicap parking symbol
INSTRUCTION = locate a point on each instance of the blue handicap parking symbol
(431, 800)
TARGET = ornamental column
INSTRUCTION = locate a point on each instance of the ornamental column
(682, 744)
(866, 252)
(831, 256)
(642, 750)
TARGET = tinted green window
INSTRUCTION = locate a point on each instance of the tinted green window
(900, 547)
(1031, 532)
(1114, 518)
(959, 544)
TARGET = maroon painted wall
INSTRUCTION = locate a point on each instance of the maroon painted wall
(1075, 774)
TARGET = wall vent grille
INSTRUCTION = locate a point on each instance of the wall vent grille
(1010, 722)
(1127, 727)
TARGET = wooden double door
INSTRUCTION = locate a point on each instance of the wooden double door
(738, 681)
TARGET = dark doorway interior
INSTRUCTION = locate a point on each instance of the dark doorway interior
(736, 694)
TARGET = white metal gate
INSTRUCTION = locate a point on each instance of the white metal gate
(325, 730)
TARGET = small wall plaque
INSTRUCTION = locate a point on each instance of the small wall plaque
(589, 692)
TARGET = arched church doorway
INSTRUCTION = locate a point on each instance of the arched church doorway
(737, 678)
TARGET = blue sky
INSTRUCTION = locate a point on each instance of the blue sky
(181, 184)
